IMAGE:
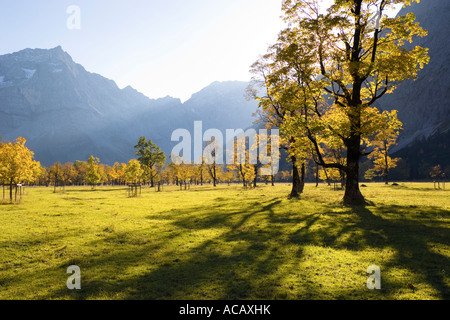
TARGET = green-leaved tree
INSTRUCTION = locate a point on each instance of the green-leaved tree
(151, 158)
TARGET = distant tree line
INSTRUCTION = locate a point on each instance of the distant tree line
(18, 168)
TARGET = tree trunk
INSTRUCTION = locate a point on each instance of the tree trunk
(302, 177)
(353, 195)
(386, 163)
(317, 175)
(214, 178)
(327, 178)
(296, 182)
(10, 190)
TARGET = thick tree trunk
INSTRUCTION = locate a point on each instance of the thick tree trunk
(297, 185)
(302, 178)
(353, 195)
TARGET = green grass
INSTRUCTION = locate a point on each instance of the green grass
(226, 243)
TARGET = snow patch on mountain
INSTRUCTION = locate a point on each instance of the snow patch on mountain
(29, 73)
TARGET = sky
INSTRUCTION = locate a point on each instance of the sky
(159, 47)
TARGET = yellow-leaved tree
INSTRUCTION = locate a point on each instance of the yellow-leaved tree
(382, 143)
(93, 174)
(133, 171)
(17, 164)
(334, 64)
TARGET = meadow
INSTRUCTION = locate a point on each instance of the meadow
(226, 243)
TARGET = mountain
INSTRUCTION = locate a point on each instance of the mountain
(424, 104)
(67, 113)
(218, 106)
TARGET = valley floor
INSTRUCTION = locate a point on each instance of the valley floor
(226, 243)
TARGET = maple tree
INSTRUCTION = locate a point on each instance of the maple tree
(382, 144)
(93, 174)
(133, 171)
(275, 104)
(151, 158)
(329, 68)
(17, 164)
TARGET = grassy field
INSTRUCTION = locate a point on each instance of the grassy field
(226, 243)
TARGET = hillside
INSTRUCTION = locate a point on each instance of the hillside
(67, 113)
(424, 104)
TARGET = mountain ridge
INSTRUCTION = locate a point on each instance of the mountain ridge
(424, 104)
(67, 113)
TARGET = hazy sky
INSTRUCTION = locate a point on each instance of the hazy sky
(159, 47)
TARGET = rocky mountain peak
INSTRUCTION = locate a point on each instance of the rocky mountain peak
(68, 114)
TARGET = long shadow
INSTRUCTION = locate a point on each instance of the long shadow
(96, 190)
(411, 239)
(243, 261)
(232, 275)
(412, 243)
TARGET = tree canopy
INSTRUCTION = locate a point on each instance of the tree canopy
(17, 164)
(328, 69)
(151, 158)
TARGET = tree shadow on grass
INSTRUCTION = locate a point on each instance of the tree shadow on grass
(237, 264)
(245, 258)
(95, 190)
(413, 242)
(429, 187)
(362, 227)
